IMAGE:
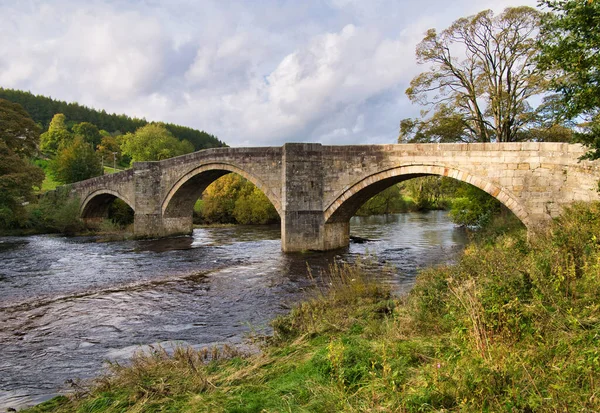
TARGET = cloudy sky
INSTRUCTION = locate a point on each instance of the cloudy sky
(253, 73)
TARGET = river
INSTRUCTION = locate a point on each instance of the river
(69, 304)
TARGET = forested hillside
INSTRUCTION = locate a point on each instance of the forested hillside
(42, 109)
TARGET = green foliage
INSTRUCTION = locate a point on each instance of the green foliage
(55, 212)
(120, 213)
(431, 192)
(388, 201)
(254, 208)
(512, 327)
(232, 199)
(473, 207)
(200, 139)
(443, 126)
(48, 184)
(17, 179)
(153, 142)
(76, 162)
(569, 48)
(17, 130)
(417, 194)
(218, 199)
(57, 136)
(18, 139)
(88, 132)
(590, 136)
(468, 205)
(513, 309)
(42, 109)
(110, 149)
(552, 133)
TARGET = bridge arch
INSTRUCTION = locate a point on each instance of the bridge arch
(182, 196)
(95, 205)
(349, 200)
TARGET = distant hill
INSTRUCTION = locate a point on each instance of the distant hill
(42, 109)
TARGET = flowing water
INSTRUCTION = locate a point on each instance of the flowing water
(69, 304)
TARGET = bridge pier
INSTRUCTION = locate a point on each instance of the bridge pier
(302, 221)
(148, 220)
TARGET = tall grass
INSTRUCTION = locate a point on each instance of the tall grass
(514, 326)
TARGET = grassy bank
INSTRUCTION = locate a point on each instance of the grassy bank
(513, 327)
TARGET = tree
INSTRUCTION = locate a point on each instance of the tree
(482, 74)
(89, 132)
(57, 135)
(473, 207)
(18, 131)
(254, 208)
(234, 199)
(19, 137)
(443, 126)
(17, 179)
(153, 142)
(42, 109)
(570, 50)
(219, 198)
(76, 162)
(388, 201)
(109, 149)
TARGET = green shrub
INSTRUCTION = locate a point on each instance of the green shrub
(56, 212)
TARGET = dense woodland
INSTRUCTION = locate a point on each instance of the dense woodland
(46, 143)
(42, 109)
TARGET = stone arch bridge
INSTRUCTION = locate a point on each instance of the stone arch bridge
(316, 189)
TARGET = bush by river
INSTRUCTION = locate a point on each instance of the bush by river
(513, 326)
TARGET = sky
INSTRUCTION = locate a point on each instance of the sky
(253, 73)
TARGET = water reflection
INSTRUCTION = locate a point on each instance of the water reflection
(68, 304)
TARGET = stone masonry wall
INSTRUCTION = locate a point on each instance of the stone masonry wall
(317, 188)
(535, 180)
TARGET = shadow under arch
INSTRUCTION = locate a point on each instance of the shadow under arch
(95, 206)
(179, 201)
(348, 201)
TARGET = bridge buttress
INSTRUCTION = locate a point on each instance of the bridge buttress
(302, 219)
(148, 221)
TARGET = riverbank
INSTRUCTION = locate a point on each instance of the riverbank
(74, 302)
(513, 326)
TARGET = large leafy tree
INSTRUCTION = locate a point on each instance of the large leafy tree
(89, 132)
(19, 137)
(57, 135)
(234, 199)
(254, 208)
(17, 179)
(76, 162)
(19, 132)
(443, 126)
(571, 52)
(153, 142)
(388, 201)
(481, 76)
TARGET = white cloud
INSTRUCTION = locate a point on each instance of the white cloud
(251, 73)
